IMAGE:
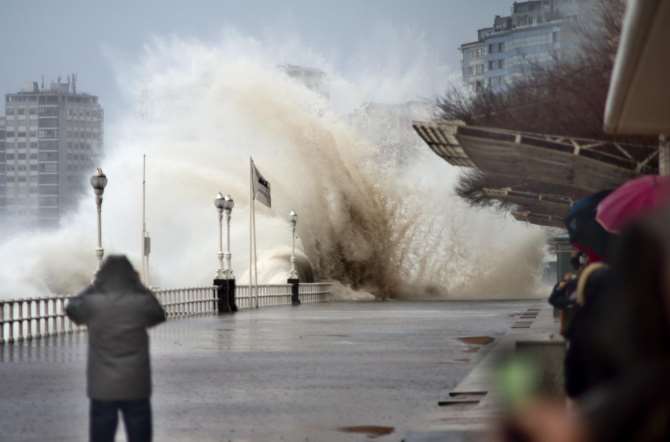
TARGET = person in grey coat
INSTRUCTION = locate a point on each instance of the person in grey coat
(117, 310)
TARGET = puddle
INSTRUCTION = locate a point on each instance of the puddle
(476, 340)
(372, 431)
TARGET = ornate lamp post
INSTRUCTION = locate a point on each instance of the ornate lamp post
(293, 217)
(98, 182)
(225, 279)
(224, 204)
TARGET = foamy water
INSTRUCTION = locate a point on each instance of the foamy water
(376, 211)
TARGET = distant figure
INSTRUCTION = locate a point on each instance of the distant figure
(562, 296)
(118, 309)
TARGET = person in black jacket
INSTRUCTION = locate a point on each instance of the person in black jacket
(117, 310)
(636, 405)
(587, 362)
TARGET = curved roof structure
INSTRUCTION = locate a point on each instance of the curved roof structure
(552, 205)
(639, 97)
(540, 219)
(540, 174)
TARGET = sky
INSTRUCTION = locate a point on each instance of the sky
(51, 38)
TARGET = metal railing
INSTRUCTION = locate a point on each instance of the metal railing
(315, 293)
(34, 318)
(31, 318)
(280, 294)
(191, 301)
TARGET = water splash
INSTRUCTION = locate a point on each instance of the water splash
(376, 212)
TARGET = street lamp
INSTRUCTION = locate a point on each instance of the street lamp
(98, 182)
(293, 217)
(224, 204)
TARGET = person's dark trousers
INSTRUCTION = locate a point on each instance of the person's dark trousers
(105, 418)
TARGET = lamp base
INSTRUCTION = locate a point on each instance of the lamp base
(225, 295)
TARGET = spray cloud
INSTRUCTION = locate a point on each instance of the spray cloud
(376, 210)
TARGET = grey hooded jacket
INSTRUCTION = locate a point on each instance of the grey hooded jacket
(117, 317)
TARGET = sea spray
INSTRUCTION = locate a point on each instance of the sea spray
(386, 228)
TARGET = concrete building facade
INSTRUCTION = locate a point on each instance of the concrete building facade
(535, 33)
(2, 167)
(53, 138)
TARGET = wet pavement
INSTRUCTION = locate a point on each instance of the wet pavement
(328, 372)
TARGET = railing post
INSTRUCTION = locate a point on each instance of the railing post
(295, 290)
(225, 295)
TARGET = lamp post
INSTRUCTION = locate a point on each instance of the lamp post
(225, 279)
(293, 217)
(224, 204)
(98, 182)
(293, 278)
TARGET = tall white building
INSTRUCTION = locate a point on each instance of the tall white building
(536, 32)
(52, 139)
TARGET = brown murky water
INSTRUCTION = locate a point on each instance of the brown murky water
(476, 340)
(372, 431)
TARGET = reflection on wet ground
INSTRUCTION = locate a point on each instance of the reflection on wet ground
(53, 349)
(281, 373)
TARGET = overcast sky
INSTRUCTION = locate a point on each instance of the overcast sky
(51, 38)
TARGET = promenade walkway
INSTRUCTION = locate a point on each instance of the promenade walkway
(340, 371)
(470, 410)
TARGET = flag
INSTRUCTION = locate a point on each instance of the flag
(261, 186)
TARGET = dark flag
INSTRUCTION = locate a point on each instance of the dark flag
(261, 186)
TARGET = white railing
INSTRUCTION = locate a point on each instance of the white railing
(280, 294)
(315, 293)
(191, 301)
(33, 318)
(30, 318)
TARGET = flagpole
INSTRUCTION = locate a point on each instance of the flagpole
(144, 218)
(255, 257)
(251, 211)
(253, 219)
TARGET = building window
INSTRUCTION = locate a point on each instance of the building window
(554, 37)
(501, 47)
(48, 133)
(491, 48)
(501, 63)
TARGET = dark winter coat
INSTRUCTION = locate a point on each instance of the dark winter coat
(117, 309)
(587, 361)
(560, 296)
